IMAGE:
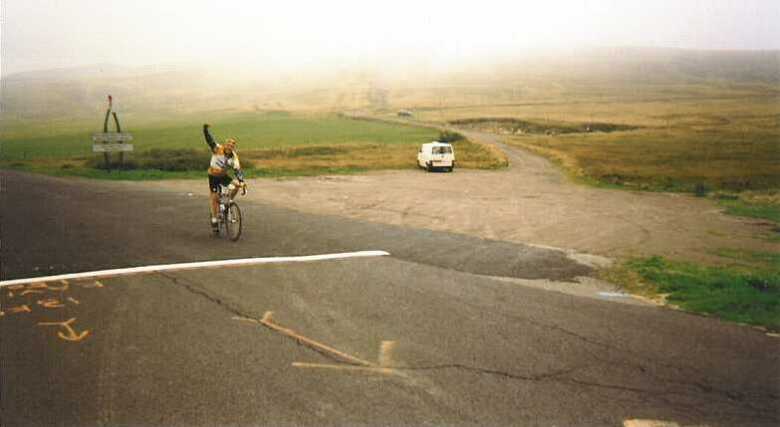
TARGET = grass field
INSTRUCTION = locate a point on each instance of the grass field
(274, 143)
(711, 138)
(254, 131)
(723, 140)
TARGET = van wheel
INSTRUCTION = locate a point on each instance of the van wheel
(429, 167)
(449, 169)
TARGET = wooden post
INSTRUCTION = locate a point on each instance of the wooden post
(106, 154)
(114, 141)
(119, 130)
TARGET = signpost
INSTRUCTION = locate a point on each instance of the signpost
(112, 137)
(111, 148)
(110, 142)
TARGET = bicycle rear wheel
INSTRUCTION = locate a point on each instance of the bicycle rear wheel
(233, 221)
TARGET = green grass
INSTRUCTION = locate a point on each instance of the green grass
(769, 260)
(270, 144)
(767, 211)
(254, 131)
(748, 291)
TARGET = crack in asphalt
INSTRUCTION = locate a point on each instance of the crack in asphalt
(733, 397)
(559, 376)
(196, 290)
(729, 396)
(583, 338)
(203, 293)
(549, 376)
(199, 291)
(533, 378)
(736, 396)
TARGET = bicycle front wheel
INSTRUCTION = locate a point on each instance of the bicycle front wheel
(233, 222)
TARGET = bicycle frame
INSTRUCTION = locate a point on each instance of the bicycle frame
(229, 215)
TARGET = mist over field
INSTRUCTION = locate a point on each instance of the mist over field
(148, 91)
(60, 59)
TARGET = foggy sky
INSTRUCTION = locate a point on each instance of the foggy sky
(43, 34)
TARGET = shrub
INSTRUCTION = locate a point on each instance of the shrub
(98, 162)
(701, 190)
(540, 128)
(174, 160)
(447, 136)
(164, 160)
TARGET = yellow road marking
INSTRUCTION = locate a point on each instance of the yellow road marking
(370, 369)
(70, 334)
(24, 308)
(307, 341)
(245, 319)
(96, 284)
(354, 363)
(385, 349)
(50, 303)
(65, 286)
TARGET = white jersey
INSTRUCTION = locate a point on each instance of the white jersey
(220, 162)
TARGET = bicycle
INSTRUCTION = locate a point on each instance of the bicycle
(229, 216)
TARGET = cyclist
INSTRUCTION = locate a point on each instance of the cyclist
(223, 157)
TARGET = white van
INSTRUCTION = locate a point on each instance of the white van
(436, 155)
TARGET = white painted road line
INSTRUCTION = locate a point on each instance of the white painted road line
(192, 265)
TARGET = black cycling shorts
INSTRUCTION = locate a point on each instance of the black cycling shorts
(216, 181)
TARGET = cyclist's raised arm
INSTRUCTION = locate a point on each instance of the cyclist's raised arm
(209, 138)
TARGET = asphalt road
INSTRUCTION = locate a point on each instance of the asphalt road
(422, 336)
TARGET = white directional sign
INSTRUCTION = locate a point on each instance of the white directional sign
(112, 137)
(107, 148)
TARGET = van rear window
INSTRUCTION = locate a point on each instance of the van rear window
(441, 150)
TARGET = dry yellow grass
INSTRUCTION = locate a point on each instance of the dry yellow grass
(369, 157)
(714, 136)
